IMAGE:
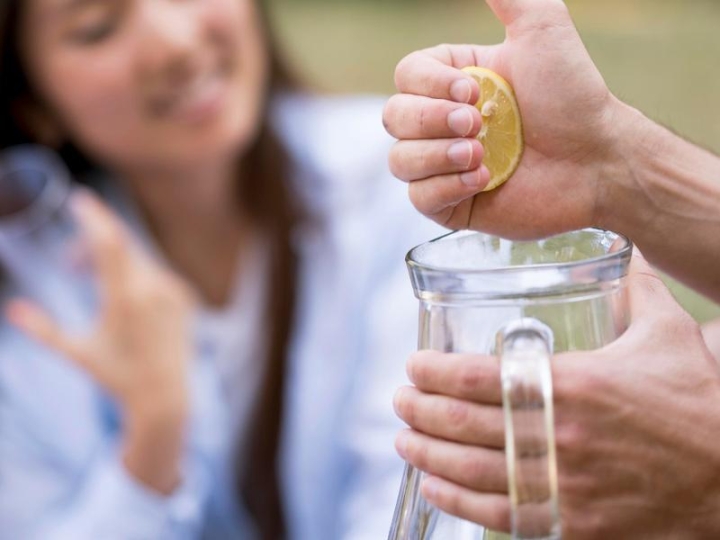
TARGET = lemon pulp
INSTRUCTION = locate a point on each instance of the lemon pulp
(501, 134)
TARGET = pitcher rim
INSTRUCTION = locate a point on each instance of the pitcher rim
(623, 252)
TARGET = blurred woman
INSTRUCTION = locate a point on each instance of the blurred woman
(253, 313)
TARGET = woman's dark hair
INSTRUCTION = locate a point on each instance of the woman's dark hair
(264, 193)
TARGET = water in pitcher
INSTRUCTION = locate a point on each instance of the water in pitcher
(472, 287)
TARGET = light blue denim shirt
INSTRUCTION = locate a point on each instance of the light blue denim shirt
(60, 474)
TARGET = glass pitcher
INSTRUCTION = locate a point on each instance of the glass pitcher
(521, 301)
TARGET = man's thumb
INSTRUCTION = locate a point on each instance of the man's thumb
(509, 11)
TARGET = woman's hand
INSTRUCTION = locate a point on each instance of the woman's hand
(636, 427)
(140, 349)
(572, 124)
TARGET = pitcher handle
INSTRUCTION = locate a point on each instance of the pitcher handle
(525, 348)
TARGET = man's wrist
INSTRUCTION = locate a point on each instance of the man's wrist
(633, 138)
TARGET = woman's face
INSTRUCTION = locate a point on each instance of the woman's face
(148, 83)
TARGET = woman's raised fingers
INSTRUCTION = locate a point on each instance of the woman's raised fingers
(37, 324)
(108, 242)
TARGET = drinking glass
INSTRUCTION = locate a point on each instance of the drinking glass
(41, 250)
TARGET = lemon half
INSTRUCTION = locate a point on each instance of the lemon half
(501, 134)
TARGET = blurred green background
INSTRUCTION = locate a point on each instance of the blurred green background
(662, 56)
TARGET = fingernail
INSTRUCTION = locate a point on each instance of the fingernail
(397, 399)
(461, 121)
(471, 179)
(461, 91)
(401, 442)
(430, 488)
(461, 153)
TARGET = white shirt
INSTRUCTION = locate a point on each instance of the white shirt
(356, 323)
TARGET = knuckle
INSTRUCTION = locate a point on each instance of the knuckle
(576, 382)
(446, 50)
(500, 515)
(423, 120)
(471, 379)
(403, 70)
(570, 437)
(424, 159)
(458, 413)
(475, 468)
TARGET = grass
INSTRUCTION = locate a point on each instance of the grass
(659, 55)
